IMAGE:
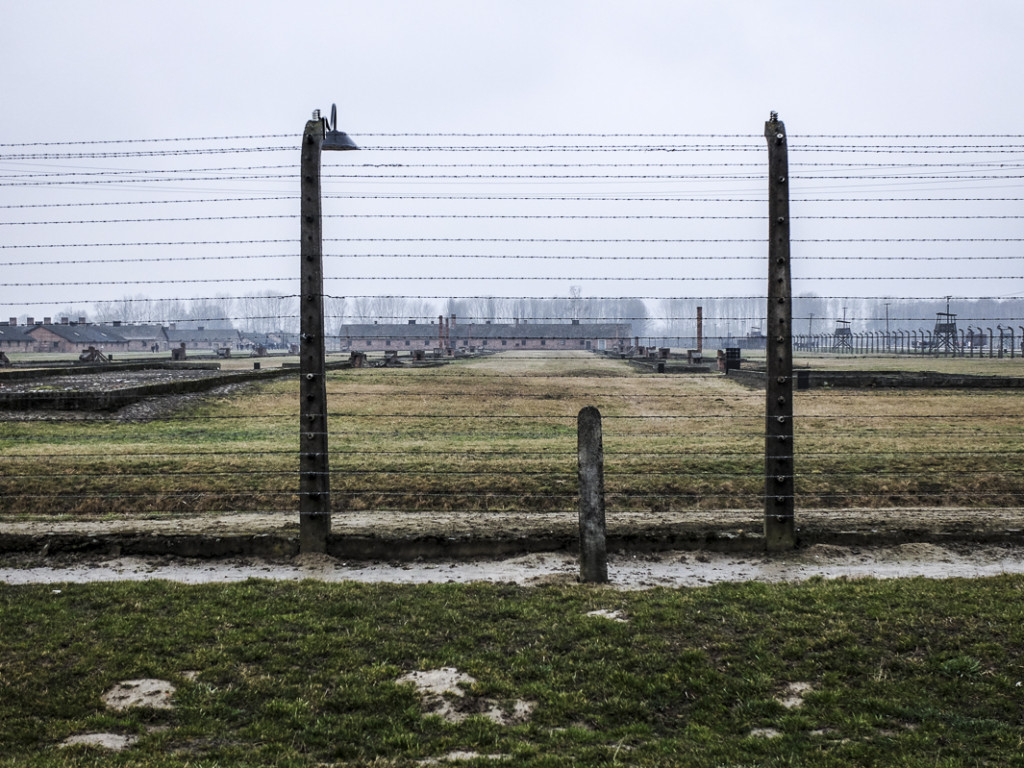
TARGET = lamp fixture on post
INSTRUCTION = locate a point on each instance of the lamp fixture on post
(335, 139)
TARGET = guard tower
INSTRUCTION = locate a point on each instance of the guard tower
(944, 339)
(842, 339)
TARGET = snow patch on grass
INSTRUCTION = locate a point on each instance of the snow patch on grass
(444, 694)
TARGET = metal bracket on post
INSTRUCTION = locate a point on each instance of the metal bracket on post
(779, 526)
(314, 482)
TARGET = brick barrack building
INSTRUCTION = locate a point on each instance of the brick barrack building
(446, 333)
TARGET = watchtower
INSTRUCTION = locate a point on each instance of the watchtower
(842, 339)
(944, 338)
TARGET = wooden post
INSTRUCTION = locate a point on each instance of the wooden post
(779, 528)
(314, 483)
(593, 548)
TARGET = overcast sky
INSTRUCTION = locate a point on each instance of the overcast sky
(103, 71)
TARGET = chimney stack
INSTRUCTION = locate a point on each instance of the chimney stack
(13, 321)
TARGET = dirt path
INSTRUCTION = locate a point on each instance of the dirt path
(681, 549)
(663, 569)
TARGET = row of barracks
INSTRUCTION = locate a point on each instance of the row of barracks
(69, 336)
(447, 334)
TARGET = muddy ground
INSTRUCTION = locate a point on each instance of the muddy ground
(669, 551)
(106, 381)
(442, 534)
(145, 409)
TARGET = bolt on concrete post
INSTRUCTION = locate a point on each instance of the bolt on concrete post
(593, 534)
(779, 524)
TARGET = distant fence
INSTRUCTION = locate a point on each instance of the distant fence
(870, 379)
(1003, 343)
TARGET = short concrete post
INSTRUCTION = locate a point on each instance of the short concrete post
(593, 548)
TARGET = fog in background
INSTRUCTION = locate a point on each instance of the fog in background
(564, 159)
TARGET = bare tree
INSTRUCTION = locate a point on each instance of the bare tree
(127, 309)
(268, 312)
(334, 314)
(168, 311)
(72, 313)
(211, 313)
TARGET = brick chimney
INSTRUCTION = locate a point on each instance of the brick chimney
(13, 321)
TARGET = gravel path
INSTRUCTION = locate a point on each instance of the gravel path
(105, 381)
(665, 569)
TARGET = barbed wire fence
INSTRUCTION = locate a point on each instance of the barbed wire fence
(891, 234)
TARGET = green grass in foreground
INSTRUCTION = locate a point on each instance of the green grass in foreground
(908, 673)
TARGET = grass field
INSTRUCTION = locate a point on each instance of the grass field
(499, 434)
(827, 673)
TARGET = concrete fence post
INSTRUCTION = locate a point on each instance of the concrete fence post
(314, 482)
(314, 469)
(593, 534)
(779, 521)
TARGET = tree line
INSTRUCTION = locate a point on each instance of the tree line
(654, 319)
(267, 312)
